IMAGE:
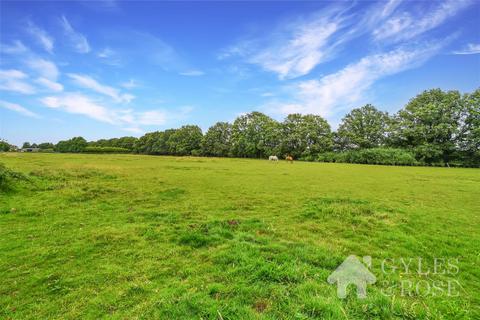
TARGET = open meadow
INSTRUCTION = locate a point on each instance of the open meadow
(138, 237)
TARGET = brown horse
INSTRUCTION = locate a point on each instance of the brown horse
(289, 158)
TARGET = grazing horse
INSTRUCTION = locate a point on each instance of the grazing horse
(273, 158)
(289, 158)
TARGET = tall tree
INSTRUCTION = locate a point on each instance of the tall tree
(217, 140)
(26, 145)
(74, 145)
(4, 146)
(364, 127)
(470, 129)
(305, 135)
(46, 145)
(430, 125)
(186, 140)
(255, 135)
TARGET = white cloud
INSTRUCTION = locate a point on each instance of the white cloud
(77, 40)
(130, 84)
(18, 108)
(471, 48)
(45, 68)
(110, 57)
(52, 85)
(347, 87)
(90, 83)
(405, 25)
(296, 47)
(105, 53)
(16, 47)
(77, 103)
(192, 73)
(41, 36)
(307, 46)
(15, 81)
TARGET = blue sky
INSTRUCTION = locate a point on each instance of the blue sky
(104, 69)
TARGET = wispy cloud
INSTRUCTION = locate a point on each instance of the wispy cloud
(15, 81)
(45, 68)
(346, 88)
(92, 84)
(49, 84)
(78, 41)
(110, 57)
(297, 47)
(130, 84)
(192, 73)
(471, 48)
(18, 108)
(77, 103)
(407, 24)
(16, 47)
(41, 36)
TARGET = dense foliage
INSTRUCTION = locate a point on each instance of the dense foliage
(364, 127)
(8, 177)
(386, 156)
(435, 128)
(5, 146)
(77, 144)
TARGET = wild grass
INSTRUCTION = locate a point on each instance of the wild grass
(128, 236)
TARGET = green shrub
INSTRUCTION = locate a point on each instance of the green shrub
(8, 177)
(106, 150)
(385, 156)
(50, 150)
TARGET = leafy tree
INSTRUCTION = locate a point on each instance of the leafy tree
(46, 145)
(26, 145)
(470, 129)
(160, 143)
(4, 146)
(217, 140)
(185, 141)
(305, 135)
(364, 127)
(123, 142)
(255, 135)
(74, 145)
(430, 125)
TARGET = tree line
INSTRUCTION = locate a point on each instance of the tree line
(435, 128)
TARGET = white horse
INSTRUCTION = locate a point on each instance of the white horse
(273, 158)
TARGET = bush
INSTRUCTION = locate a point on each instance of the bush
(385, 156)
(50, 150)
(106, 150)
(8, 177)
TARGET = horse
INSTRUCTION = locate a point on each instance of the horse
(273, 158)
(289, 158)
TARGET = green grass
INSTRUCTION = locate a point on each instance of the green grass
(127, 236)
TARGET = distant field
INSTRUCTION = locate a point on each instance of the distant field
(127, 236)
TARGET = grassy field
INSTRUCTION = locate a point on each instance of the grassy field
(127, 236)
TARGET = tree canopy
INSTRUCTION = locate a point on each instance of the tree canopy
(436, 127)
(363, 128)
